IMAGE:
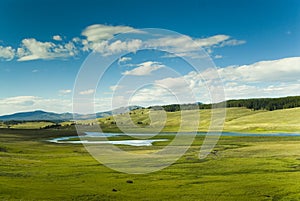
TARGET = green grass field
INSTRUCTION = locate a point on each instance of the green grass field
(237, 120)
(28, 125)
(245, 168)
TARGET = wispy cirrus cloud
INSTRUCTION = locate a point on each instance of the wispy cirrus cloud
(65, 91)
(87, 92)
(145, 68)
(212, 40)
(218, 56)
(115, 87)
(185, 45)
(232, 42)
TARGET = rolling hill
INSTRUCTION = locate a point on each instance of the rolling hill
(237, 119)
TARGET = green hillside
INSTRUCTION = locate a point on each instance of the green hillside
(237, 120)
(287, 120)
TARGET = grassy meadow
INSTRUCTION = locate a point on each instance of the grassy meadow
(242, 168)
(237, 120)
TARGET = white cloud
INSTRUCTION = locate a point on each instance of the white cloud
(76, 40)
(124, 59)
(100, 32)
(65, 91)
(212, 40)
(32, 50)
(87, 92)
(232, 42)
(261, 79)
(144, 68)
(244, 90)
(95, 38)
(281, 70)
(98, 35)
(69, 48)
(118, 46)
(183, 89)
(218, 57)
(277, 78)
(106, 48)
(185, 45)
(57, 38)
(7, 53)
(115, 87)
(175, 84)
(20, 100)
(30, 103)
(152, 95)
(35, 71)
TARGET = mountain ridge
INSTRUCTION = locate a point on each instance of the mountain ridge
(40, 115)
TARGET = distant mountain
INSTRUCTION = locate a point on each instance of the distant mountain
(37, 115)
(40, 115)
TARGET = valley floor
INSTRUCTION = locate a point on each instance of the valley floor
(243, 168)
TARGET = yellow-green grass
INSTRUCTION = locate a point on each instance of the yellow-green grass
(287, 120)
(66, 123)
(244, 168)
(34, 125)
(31, 125)
(237, 120)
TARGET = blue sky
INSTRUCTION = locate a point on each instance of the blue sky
(254, 43)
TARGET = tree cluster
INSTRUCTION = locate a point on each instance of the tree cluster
(266, 103)
(253, 103)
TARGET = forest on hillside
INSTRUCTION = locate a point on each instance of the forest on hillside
(253, 103)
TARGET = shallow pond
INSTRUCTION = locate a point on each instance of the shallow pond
(88, 138)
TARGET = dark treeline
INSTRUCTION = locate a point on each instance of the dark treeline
(266, 103)
(254, 104)
(176, 107)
